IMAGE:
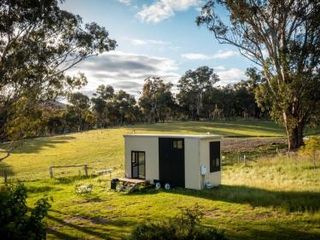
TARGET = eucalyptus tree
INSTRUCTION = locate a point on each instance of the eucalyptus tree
(78, 114)
(102, 96)
(283, 38)
(156, 100)
(39, 42)
(193, 86)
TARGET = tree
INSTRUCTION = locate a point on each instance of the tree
(38, 43)
(124, 107)
(79, 111)
(103, 94)
(156, 100)
(193, 86)
(18, 221)
(283, 39)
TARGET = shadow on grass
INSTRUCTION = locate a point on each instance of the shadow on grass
(284, 232)
(42, 189)
(102, 228)
(225, 128)
(59, 234)
(257, 197)
(35, 145)
(5, 169)
(71, 179)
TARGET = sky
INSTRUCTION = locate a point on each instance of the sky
(154, 37)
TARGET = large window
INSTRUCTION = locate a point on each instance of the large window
(138, 163)
(215, 162)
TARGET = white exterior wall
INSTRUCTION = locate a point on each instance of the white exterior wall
(150, 145)
(215, 177)
(192, 163)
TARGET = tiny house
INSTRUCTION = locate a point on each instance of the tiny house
(189, 161)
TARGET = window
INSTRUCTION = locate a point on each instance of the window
(138, 164)
(178, 144)
(215, 164)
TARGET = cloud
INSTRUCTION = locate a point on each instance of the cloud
(230, 76)
(195, 56)
(142, 42)
(125, 2)
(225, 54)
(218, 55)
(125, 70)
(164, 9)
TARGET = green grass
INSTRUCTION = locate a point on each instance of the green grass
(104, 148)
(269, 198)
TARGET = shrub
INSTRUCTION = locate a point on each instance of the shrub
(17, 222)
(312, 148)
(185, 226)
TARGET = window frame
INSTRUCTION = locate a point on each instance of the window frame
(135, 157)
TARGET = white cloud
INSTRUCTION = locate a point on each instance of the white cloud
(125, 71)
(225, 54)
(196, 56)
(142, 42)
(126, 2)
(218, 55)
(230, 76)
(163, 9)
(219, 68)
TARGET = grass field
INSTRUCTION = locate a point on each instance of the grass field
(268, 198)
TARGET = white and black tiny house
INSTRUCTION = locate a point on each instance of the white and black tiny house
(189, 161)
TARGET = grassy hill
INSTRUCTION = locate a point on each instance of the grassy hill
(104, 148)
(268, 198)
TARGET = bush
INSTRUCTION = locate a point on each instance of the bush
(17, 222)
(312, 148)
(185, 226)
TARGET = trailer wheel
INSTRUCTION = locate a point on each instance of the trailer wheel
(158, 186)
(167, 186)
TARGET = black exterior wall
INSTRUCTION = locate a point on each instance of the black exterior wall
(172, 161)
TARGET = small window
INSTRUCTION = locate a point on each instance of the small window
(178, 144)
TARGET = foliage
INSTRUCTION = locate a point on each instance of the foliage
(78, 113)
(156, 100)
(39, 42)
(193, 87)
(103, 94)
(184, 226)
(114, 108)
(312, 148)
(282, 38)
(16, 221)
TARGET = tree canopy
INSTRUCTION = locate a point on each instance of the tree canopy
(283, 39)
(38, 43)
(193, 86)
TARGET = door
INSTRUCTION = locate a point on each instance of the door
(138, 163)
(171, 161)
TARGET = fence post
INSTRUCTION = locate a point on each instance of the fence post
(86, 170)
(51, 172)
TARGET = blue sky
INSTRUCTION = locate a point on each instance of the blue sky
(155, 37)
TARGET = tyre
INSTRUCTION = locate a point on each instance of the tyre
(167, 186)
(158, 186)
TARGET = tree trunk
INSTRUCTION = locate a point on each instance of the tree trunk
(295, 137)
